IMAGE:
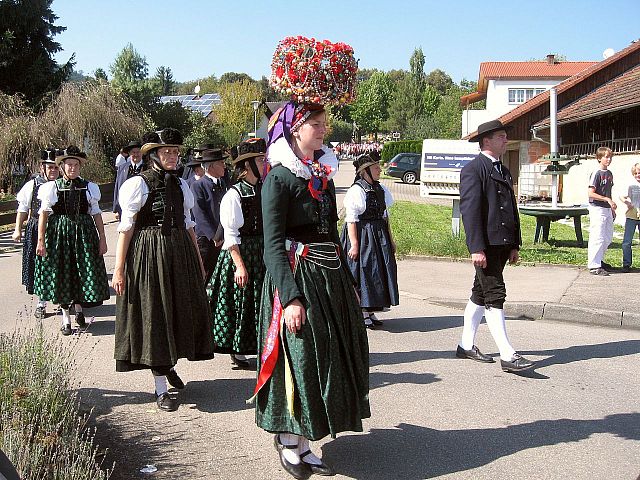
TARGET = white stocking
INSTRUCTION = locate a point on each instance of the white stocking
(290, 454)
(311, 457)
(472, 318)
(161, 384)
(498, 329)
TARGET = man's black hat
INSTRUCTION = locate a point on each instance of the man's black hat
(486, 128)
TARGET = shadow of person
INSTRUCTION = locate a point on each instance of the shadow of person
(385, 379)
(420, 324)
(578, 353)
(415, 452)
(221, 394)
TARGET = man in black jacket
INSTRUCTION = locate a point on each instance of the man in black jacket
(492, 227)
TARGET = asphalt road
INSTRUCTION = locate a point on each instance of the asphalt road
(576, 416)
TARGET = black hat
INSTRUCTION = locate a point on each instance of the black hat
(486, 128)
(205, 146)
(150, 137)
(251, 148)
(130, 145)
(213, 155)
(71, 152)
(48, 156)
(169, 137)
(193, 161)
(366, 160)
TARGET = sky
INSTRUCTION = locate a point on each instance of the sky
(198, 38)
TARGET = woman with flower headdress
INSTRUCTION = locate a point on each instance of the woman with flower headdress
(71, 242)
(236, 284)
(313, 375)
(367, 241)
(28, 206)
(162, 313)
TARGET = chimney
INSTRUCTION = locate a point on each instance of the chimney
(551, 59)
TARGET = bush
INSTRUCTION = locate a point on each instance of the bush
(41, 430)
(391, 149)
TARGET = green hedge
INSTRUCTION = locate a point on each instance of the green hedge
(391, 149)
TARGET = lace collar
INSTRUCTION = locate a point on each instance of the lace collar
(280, 153)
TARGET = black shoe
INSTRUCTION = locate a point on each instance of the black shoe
(322, 469)
(375, 320)
(174, 380)
(41, 312)
(166, 403)
(473, 354)
(599, 271)
(66, 330)
(517, 364)
(80, 320)
(606, 267)
(626, 269)
(240, 362)
(301, 470)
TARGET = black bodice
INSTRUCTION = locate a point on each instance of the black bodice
(152, 213)
(72, 197)
(34, 207)
(376, 205)
(251, 209)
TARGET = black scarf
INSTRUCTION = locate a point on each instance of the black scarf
(172, 197)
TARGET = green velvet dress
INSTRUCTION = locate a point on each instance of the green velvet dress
(329, 355)
(73, 271)
(234, 309)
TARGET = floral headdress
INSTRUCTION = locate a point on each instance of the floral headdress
(312, 71)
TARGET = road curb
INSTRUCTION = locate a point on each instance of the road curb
(550, 311)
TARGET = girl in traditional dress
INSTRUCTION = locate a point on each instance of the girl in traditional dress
(28, 206)
(236, 284)
(313, 376)
(162, 313)
(71, 242)
(366, 239)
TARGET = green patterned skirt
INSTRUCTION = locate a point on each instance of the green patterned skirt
(163, 314)
(72, 271)
(329, 358)
(234, 309)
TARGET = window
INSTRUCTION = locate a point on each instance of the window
(521, 95)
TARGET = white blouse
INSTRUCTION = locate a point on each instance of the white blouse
(355, 202)
(25, 196)
(48, 195)
(231, 218)
(133, 195)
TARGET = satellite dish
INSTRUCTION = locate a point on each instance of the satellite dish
(608, 52)
(196, 90)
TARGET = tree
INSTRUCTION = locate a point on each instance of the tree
(162, 81)
(235, 114)
(440, 81)
(416, 64)
(233, 77)
(202, 130)
(405, 106)
(207, 85)
(430, 100)
(100, 75)
(449, 114)
(172, 114)
(128, 67)
(27, 28)
(371, 107)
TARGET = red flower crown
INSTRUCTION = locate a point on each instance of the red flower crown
(313, 71)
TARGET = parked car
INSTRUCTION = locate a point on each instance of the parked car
(405, 166)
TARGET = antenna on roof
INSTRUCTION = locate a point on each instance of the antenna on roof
(608, 52)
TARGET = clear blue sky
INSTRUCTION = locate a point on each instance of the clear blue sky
(197, 38)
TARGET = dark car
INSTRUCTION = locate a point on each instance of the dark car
(405, 166)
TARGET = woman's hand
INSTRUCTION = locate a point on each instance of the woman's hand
(41, 250)
(393, 247)
(241, 277)
(117, 281)
(295, 316)
(102, 248)
(354, 251)
(17, 235)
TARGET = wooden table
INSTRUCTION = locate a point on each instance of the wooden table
(545, 214)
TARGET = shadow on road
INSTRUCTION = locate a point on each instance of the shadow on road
(578, 353)
(415, 452)
(421, 324)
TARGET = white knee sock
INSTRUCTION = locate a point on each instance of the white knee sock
(66, 319)
(290, 454)
(498, 329)
(161, 384)
(78, 308)
(42, 303)
(472, 318)
(303, 446)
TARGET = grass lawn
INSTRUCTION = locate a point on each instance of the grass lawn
(426, 230)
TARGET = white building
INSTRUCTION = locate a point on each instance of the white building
(506, 85)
